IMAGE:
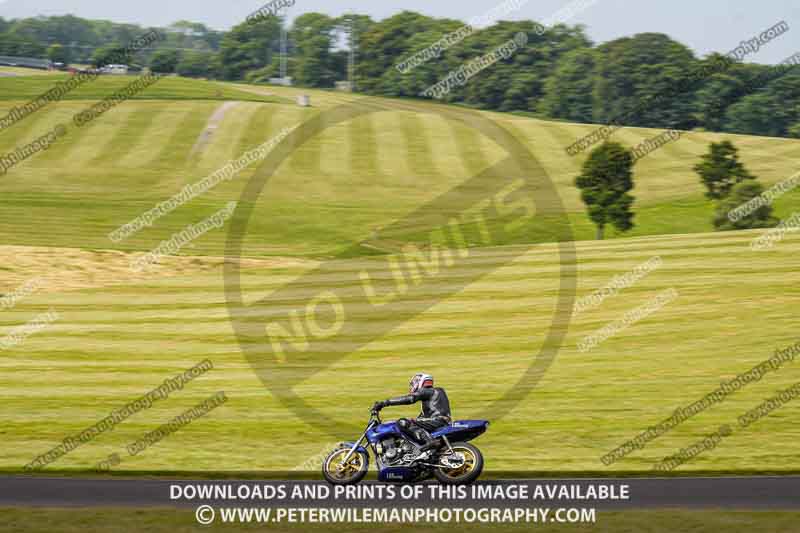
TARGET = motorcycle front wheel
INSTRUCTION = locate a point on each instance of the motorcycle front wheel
(462, 467)
(337, 472)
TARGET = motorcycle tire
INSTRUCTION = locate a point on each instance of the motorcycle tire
(338, 474)
(466, 474)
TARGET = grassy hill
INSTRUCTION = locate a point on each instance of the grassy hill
(118, 340)
(121, 334)
(143, 151)
(29, 87)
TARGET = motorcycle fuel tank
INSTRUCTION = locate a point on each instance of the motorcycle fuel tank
(383, 431)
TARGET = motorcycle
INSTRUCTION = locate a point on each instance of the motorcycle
(453, 461)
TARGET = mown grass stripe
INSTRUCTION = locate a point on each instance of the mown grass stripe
(174, 153)
(128, 135)
(419, 153)
(362, 148)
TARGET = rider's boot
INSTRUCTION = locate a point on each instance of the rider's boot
(426, 450)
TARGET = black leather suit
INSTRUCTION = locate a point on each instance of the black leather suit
(434, 415)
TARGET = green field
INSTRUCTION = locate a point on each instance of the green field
(179, 521)
(116, 342)
(141, 152)
(121, 334)
(23, 71)
(168, 88)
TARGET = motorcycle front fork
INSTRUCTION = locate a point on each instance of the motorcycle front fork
(355, 447)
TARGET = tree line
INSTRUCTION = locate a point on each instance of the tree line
(560, 75)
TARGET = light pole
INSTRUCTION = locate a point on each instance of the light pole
(351, 56)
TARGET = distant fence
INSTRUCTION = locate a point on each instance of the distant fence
(31, 62)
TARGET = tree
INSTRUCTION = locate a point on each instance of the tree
(393, 82)
(636, 81)
(720, 169)
(769, 111)
(263, 75)
(105, 55)
(58, 54)
(196, 64)
(249, 46)
(14, 45)
(741, 194)
(384, 44)
(604, 183)
(568, 91)
(714, 99)
(61, 29)
(516, 83)
(312, 37)
(187, 34)
(164, 61)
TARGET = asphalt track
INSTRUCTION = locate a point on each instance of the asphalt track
(762, 492)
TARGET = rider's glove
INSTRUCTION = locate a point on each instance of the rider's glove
(377, 406)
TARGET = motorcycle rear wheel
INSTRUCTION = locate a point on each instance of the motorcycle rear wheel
(336, 472)
(466, 473)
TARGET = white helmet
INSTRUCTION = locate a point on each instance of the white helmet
(419, 381)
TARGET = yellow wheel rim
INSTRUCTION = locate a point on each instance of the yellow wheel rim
(469, 464)
(336, 467)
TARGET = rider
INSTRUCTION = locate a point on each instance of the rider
(435, 411)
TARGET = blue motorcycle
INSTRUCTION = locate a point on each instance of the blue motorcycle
(454, 461)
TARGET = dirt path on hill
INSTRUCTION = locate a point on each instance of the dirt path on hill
(213, 124)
